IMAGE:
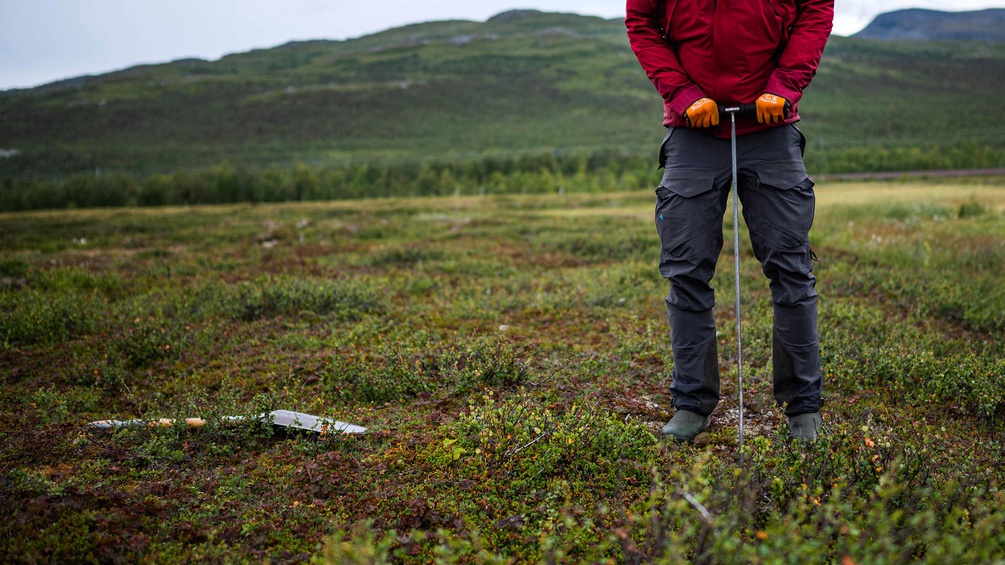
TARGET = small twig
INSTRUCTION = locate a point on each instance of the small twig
(510, 453)
(358, 461)
(590, 415)
(697, 506)
(538, 473)
(545, 380)
(512, 423)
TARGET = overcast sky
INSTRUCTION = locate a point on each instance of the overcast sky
(46, 40)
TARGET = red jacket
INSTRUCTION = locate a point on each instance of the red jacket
(731, 51)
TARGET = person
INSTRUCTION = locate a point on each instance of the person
(701, 54)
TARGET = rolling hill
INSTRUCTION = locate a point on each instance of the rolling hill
(523, 82)
(931, 25)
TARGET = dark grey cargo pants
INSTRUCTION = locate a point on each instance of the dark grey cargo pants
(777, 203)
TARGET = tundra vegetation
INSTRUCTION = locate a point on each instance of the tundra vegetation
(509, 356)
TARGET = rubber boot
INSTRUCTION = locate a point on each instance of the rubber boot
(805, 427)
(686, 425)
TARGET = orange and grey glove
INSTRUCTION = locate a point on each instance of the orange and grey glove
(772, 109)
(703, 114)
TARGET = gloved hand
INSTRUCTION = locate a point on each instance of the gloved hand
(772, 109)
(703, 114)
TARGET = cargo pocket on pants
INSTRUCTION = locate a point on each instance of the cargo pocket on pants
(687, 220)
(784, 212)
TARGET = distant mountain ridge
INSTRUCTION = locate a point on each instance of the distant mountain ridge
(931, 25)
(521, 83)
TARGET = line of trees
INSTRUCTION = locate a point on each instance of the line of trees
(225, 183)
(541, 173)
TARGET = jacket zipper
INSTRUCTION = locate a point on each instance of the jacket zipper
(773, 9)
(715, 16)
(785, 32)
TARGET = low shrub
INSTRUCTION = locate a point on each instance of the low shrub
(284, 296)
(31, 316)
(424, 365)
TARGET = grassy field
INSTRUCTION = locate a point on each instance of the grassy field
(510, 357)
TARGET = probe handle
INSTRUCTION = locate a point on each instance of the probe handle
(739, 109)
(159, 423)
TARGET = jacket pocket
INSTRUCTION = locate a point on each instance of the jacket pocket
(785, 15)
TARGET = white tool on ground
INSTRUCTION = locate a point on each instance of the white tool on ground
(278, 418)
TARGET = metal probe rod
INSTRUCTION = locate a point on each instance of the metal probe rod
(736, 270)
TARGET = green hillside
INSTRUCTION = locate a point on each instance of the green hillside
(457, 91)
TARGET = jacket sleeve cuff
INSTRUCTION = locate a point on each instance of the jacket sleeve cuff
(776, 87)
(684, 98)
